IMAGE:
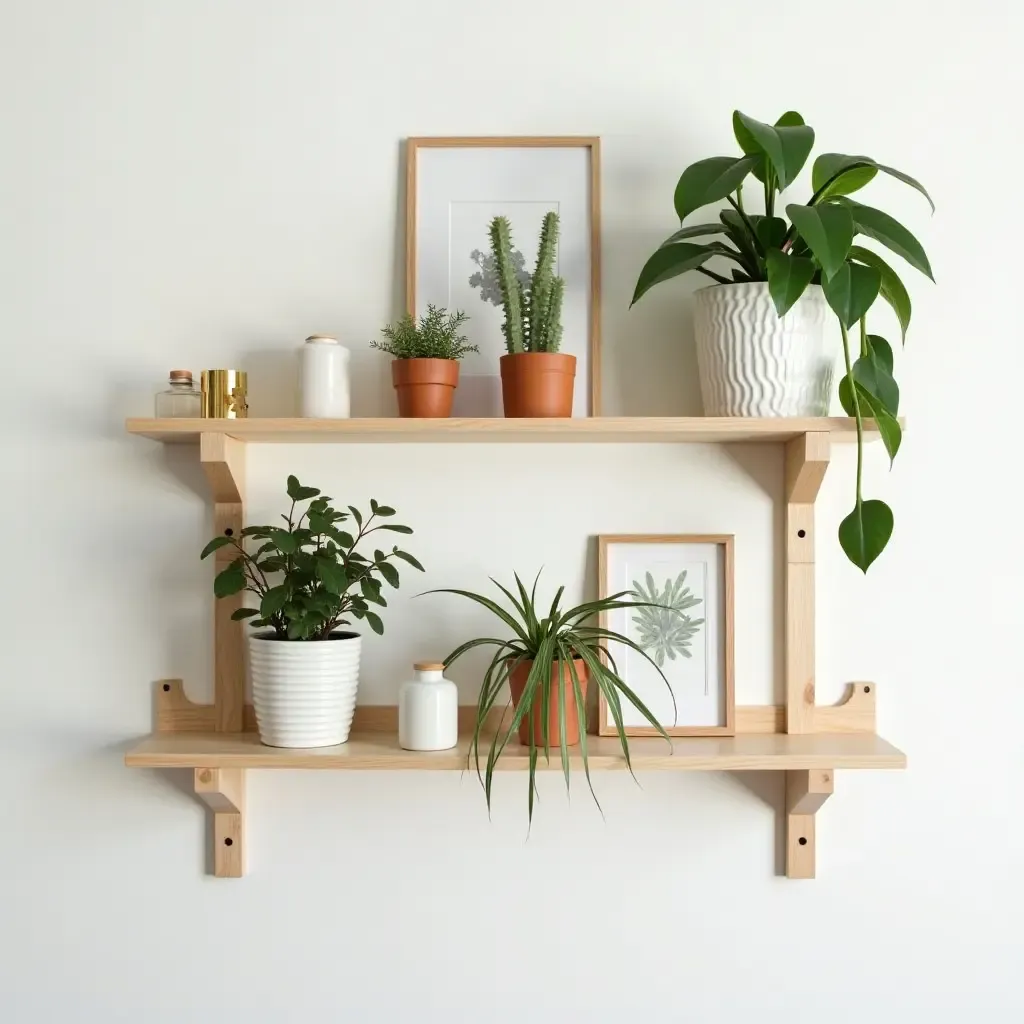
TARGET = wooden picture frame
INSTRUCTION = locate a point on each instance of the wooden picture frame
(415, 147)
(720, 651)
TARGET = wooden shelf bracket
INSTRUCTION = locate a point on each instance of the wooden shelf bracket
(223, 460)
(223, 791)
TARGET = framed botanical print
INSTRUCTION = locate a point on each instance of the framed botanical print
(455, 187)
(689, 637)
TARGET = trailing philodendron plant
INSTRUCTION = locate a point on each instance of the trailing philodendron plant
(436, 336)
(533, 309)
(308, 576)
(815, 245)
(550, 645)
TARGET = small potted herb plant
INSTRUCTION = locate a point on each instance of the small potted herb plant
(760, 332)
(548, 661)
(536, 379)
(425, 370)
(310, 581)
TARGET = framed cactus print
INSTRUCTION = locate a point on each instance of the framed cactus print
(687, 633)
(455, 188)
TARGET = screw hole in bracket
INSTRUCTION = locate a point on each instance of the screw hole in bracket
(801, 533)
(230, 842)
(867, 689)
(229, 532)
(167, 687)
(802, 840)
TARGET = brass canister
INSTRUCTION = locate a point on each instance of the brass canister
(224, 394)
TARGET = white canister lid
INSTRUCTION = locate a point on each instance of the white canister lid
(326, 339)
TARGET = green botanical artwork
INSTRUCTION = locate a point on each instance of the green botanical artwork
(666, 631)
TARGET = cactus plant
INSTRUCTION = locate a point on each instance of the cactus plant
(532, 311)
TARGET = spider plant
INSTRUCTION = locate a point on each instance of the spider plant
(550, 644)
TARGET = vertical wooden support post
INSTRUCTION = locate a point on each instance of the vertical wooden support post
(805, 793)
(223, 791)
(807, 458)
(223, 459)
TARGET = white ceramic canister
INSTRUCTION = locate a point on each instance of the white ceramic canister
(323, 378)
(428, 710)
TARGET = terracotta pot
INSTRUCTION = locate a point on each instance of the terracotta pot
(425, 387)
(537, 384)
(517, 684)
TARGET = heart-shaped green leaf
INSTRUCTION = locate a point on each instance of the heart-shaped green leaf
(892, 290)
(708, 181)
(865, 532)
(788, 277)
(670, 261)
(771, 231)
(891, 233)
(836, 174)
(828, 232)
(874, 372)
(786, 146)
(851, 292)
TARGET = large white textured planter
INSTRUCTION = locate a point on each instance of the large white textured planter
(304, 691)
(754, 363)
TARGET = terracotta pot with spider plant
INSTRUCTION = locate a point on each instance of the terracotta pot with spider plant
(548, 662)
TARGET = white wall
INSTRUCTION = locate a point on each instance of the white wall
(204, 183)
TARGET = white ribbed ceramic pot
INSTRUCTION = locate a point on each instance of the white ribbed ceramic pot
(304, 691)
(755, 363)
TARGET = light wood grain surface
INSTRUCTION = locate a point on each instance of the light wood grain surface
(377, 751)
(594, 430)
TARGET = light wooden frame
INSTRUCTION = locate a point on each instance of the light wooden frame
(723, 540)
(591, 142)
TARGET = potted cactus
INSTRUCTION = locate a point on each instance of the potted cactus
(536, 379)
(425, 370)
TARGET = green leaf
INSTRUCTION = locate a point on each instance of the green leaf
(874, 372)
(332, 575)
(389, 572)
(384, 510)
(891, 233)
(375, 623)
(771, 231)
(243, 613)
(710, 180)
(836, 174)
(346, 540)
(787, 146)
(851, 292)
(827, 230)
(299, 493)
(865, 532)
(670, 261)
(215, 545)
(274, 600)
(888, 426)
(693, 231)
(788, 277)
(406, 557)
(286, 542)
(395, 528)
(908, 180)
(230, 580)
(356, 515)
(892, 290)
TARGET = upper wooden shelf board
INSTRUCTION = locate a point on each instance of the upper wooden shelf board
(380, 751)
(596, 430)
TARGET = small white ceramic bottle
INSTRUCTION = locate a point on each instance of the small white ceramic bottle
(323, 378)
(428, 710)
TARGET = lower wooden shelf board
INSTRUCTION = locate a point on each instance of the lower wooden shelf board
(375, 751)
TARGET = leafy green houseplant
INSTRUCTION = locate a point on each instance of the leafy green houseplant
(425, 370)
(816, 245)
(310, 580)
(536, 379)
(547, 661)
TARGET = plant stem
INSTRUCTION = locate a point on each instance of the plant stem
(864, 335)
(856, 408)
(713, 275)
(755, 241)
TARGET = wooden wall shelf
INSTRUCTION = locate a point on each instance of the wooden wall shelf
(595, 430)
(805, 740)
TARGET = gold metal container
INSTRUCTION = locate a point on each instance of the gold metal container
(224, 394)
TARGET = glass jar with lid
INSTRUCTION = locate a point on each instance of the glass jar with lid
(181, 399)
